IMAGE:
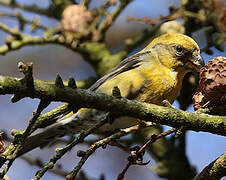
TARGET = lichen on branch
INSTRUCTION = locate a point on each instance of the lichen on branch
(120, 107)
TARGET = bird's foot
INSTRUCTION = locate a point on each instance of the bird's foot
(166, 103)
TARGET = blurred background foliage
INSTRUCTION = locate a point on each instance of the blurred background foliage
(137, 24)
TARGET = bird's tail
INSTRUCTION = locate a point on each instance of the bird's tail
(61, 128)
(73, 124)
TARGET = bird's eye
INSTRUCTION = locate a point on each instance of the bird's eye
(179, 49)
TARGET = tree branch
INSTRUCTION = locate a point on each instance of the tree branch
(27, 40)
(121, 107)
(22, 20)
(215, 170)
(105, 24)
(96, 145)
(61, 151)
(32, 8)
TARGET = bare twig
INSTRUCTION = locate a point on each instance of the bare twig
(37, 162)
(22, 20)
(122, 174)
(175, 13)
(96, 145)
(61, 151)
(135, 156)
(32, 8)
(13, 32)
(21, 136)
(26, 40)
(155, 138)
(105, 24)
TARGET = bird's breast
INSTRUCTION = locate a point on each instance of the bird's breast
(159, 85)
(151, 84)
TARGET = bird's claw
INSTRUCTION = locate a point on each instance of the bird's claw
(166, 103)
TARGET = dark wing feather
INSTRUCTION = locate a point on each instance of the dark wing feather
(127, 64)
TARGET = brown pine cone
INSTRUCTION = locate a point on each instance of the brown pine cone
(76, 18)
(1, 143)
(212, 84)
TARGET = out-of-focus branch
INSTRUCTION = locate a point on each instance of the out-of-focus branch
(13, 32)
(86, 2)
(143, 37)
(22, 20)
(215, 170)
(22, 40)
(174, 14)
(105, 24)
(32, 8)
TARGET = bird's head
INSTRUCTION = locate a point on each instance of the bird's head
(177, 51)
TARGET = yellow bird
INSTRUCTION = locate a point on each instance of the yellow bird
(152, 75)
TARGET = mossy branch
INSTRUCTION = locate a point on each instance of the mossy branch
(121, 107)
(215, 170)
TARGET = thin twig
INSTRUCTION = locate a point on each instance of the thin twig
(24, 20)
(105, 24)
(122, 174)
(37, 162)
(19, 137)
(61, 151)
(13, 32)
(32, 8)
(86, 2)
(155, 138)
(133, 158)
(26, 40)
(98, 144)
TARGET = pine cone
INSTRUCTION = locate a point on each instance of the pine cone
(1, 143)
(76, 18)
(212, 84)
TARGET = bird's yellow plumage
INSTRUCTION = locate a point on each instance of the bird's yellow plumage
(152, 75)
(149, 83)
(159, 72)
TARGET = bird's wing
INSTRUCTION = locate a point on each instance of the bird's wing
(72, 123)
(126, 65)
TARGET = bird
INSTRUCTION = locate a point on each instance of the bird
(151, 75)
